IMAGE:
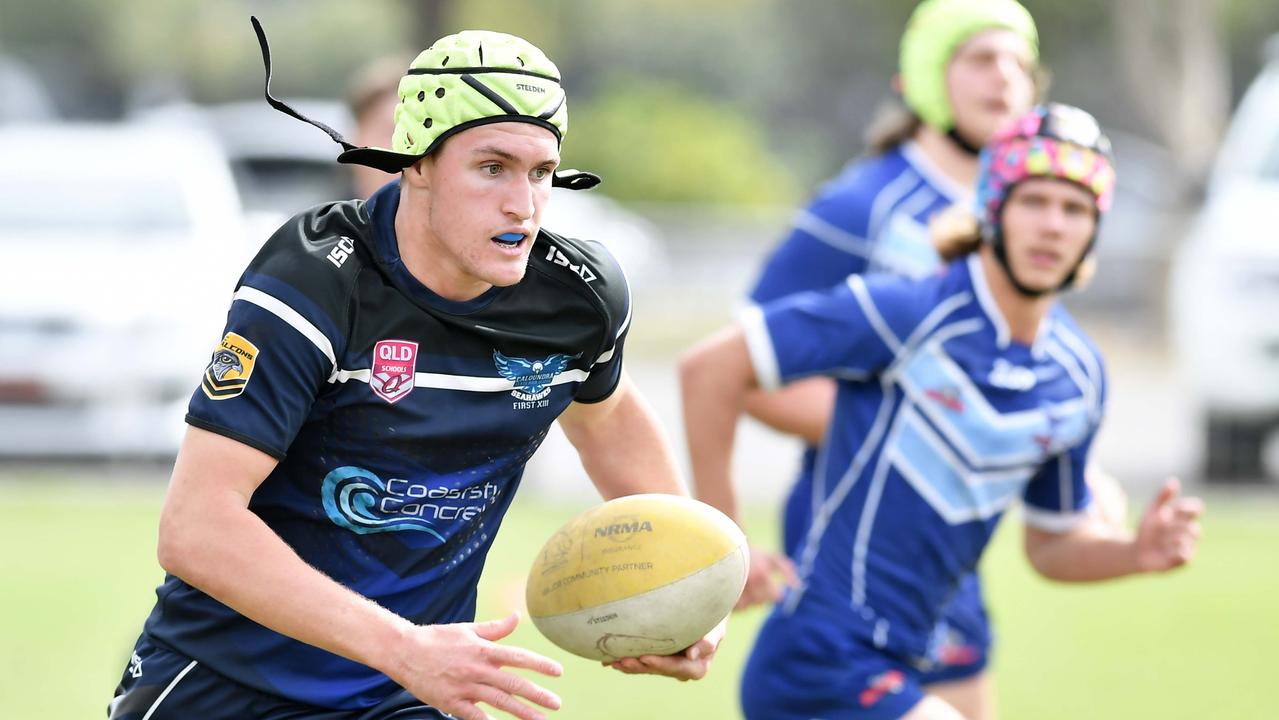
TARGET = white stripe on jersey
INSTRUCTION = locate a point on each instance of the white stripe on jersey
(956, 193)
(865, 524)
(857, 284)
(1052, 522)
(836, 237)
(626, 321)
(886, 199)
(934, 317)
(822, 518)
(988, 306)
(759, 343)
(1091, 392)
(278, 308)
(468, 383)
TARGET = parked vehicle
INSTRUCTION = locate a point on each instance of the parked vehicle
(1224, 289)
(118, 244)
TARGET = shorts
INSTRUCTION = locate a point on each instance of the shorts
(160, 684)
(800, 669)
(963, 636)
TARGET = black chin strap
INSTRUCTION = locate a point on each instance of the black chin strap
(963, 144)
(281, 106)
(1001, 254)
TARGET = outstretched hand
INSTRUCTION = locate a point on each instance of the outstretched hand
(1169, 530)
(762, 575)
(692, 664)
(454, 667)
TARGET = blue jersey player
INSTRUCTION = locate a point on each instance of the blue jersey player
(956, 394)
(967, 67)
(387, 369)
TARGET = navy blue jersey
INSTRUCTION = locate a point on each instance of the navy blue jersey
(940, 422)
(402, 422)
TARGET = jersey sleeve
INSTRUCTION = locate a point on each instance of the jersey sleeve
(1057, 498)
(279, 347)
(827, 242)
(615, 295)
(850, 331)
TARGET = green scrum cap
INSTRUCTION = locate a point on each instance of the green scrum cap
(934, 32)
(471, 78)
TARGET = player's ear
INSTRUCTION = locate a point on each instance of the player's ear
(418, 175)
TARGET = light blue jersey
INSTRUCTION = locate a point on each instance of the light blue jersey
(940, 423)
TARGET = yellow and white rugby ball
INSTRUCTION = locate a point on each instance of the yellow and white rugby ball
(639, 575)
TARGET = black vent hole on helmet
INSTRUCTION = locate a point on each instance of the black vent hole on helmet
(439, 92)
(520, 59)
(445, 61)
(421, 95)
(427, 123)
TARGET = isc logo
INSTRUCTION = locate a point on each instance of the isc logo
(341, 251)
(558, 257)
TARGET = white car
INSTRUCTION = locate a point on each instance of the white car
(121, 246)
(1224, 290)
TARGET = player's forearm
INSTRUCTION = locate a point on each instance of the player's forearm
(1089, 553)
(802, 409)
(210, 539)
(230, 554)
(714, 379)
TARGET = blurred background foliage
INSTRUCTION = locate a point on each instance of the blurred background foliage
(775, 93)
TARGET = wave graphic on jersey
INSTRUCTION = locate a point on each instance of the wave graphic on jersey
(357, 500)
(532, 378)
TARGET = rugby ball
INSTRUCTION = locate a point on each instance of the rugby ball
(638, 575)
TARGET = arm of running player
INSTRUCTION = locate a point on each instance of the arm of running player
(622, 445)
(210, 539)
(624, 451)
(1166, 538)
(802, 408)
(716, 377)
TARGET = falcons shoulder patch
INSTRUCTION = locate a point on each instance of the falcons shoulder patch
(229, 369)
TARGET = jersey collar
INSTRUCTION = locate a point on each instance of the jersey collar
(381, 208)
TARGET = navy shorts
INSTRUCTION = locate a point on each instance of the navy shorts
(800, 669)
(160, 684)
(962, 648)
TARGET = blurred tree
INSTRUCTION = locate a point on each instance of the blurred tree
(1176, 67)
(811, 72)
(654, 141)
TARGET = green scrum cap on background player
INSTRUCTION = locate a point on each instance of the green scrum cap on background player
(934, 32)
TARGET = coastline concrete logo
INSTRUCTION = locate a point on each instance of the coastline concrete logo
(360, 501)
(394, 369)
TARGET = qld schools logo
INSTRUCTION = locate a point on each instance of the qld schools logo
(394, 369)
(532, 378)
(228, 372)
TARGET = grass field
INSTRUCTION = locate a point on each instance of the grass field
(77, 572)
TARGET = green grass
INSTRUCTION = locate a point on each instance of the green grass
(77, 574)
